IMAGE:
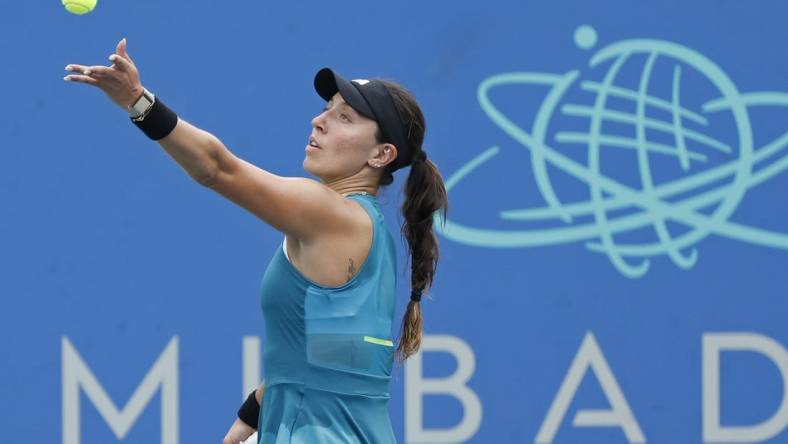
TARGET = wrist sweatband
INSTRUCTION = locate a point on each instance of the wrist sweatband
(250, 411)
(159, 122)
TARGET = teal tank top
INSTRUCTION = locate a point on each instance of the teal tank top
(328, 351)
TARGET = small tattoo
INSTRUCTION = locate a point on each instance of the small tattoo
(351, 269)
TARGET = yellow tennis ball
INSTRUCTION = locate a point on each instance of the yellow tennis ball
(79, 7)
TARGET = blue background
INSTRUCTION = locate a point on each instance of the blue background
(104, 240)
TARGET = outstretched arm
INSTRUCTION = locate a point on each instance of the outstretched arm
(292, 205)
(197, 151)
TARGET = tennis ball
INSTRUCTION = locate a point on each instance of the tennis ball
(79, 7)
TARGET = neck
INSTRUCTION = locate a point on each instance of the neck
(350, 185)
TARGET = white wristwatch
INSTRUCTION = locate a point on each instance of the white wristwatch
(142, 106)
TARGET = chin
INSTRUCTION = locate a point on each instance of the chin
(308, 168)
(305, 165)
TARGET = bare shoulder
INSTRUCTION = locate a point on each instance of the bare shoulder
(335, 256)
(297, 206)
(347, 221)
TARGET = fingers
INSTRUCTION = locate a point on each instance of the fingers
(94, 74)
(77, 68)
(121, 64)
(96, 71)
(121, 50)
(80, 79)
(86, 74)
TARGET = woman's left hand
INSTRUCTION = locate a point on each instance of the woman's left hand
(239, 433)
(121, 81)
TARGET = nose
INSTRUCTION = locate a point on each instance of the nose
(318, 122)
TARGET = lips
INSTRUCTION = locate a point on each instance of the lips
(313, 142)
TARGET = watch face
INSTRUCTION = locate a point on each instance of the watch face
(142, 104)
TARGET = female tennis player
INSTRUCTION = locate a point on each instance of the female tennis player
(328, 292)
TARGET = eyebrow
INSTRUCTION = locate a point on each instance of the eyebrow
(345, 104)
(348, 107)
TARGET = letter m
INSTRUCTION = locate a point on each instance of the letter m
(76, 374)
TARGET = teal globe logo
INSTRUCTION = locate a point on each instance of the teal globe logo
(660, 172)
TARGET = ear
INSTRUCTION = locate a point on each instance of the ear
(385, 154)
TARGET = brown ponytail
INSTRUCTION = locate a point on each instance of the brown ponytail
(424, 195)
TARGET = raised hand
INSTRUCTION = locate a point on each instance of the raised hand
(121, 81)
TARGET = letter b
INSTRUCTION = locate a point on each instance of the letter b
(416, 387)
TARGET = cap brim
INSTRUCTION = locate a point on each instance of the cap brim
(328, 83)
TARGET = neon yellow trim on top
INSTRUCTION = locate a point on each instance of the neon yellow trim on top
(378, 341)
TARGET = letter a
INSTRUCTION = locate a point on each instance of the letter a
(590, 355)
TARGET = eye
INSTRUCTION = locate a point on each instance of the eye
(344, 117)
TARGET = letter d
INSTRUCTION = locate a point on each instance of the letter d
(713, 344)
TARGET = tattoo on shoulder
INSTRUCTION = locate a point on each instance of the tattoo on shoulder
(351, 269)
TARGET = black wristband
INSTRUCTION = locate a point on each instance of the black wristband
(159, 122)
(250, 411)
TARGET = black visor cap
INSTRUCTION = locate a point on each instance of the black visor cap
(371, 99)
(328, 83)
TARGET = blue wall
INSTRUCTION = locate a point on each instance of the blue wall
(647, 140)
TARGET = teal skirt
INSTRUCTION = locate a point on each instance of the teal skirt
(293, 414)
